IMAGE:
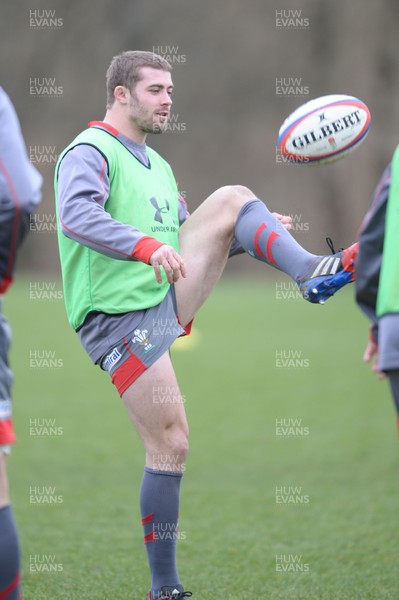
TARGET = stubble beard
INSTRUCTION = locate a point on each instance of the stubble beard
(144, 123)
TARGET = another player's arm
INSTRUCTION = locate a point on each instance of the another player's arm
(83, 189)
(372, 233)
(20, 189)
(370, 353)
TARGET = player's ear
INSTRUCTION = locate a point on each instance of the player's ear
(121, 94)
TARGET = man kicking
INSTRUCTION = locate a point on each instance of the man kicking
(131, 257)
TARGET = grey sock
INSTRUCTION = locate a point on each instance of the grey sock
(159, 505)
(9, 556)
(264, 237)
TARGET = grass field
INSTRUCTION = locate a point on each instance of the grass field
(328, 532)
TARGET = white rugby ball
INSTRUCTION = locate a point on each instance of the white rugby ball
(324, 129)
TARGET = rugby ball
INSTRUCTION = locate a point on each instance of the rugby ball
(324, 129)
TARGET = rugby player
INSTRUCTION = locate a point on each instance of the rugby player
(132, 257)
(377, 278)
(20, 193)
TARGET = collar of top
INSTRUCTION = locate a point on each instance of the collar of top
(105, 126)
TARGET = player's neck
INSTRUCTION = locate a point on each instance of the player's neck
(125, 127)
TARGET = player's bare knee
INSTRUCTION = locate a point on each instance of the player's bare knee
(242, 193)
(234, 193)
(170, 443)
(232, 197)
(179, 444)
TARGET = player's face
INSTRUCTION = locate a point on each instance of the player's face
(150, 101)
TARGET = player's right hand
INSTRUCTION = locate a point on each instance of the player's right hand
(371, 352)
(167, 257)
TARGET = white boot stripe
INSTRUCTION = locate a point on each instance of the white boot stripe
(334, 268)
(318, 268)
(326, 266)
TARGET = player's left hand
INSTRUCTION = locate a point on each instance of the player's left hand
(371, 352)
(285, 220)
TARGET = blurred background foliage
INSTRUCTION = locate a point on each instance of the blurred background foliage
(228, 57)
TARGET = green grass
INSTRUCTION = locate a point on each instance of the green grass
(346, 535)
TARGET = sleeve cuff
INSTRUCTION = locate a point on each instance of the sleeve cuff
(373, 333)
(144, 248)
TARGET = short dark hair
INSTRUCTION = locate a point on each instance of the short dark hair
(125, 70)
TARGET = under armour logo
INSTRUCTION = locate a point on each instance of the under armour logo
(159, 210)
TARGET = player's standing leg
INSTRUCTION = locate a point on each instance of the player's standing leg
(163, 429)
(234, 211)
(394, 383)
(9, 545)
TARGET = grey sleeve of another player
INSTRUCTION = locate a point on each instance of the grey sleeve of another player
(371, 242)
(183, 209)
(83, 189)
(20, 189)
(20, 182)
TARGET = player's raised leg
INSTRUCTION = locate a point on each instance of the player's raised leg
(156, 408)
(204, 240)
(234, 211)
